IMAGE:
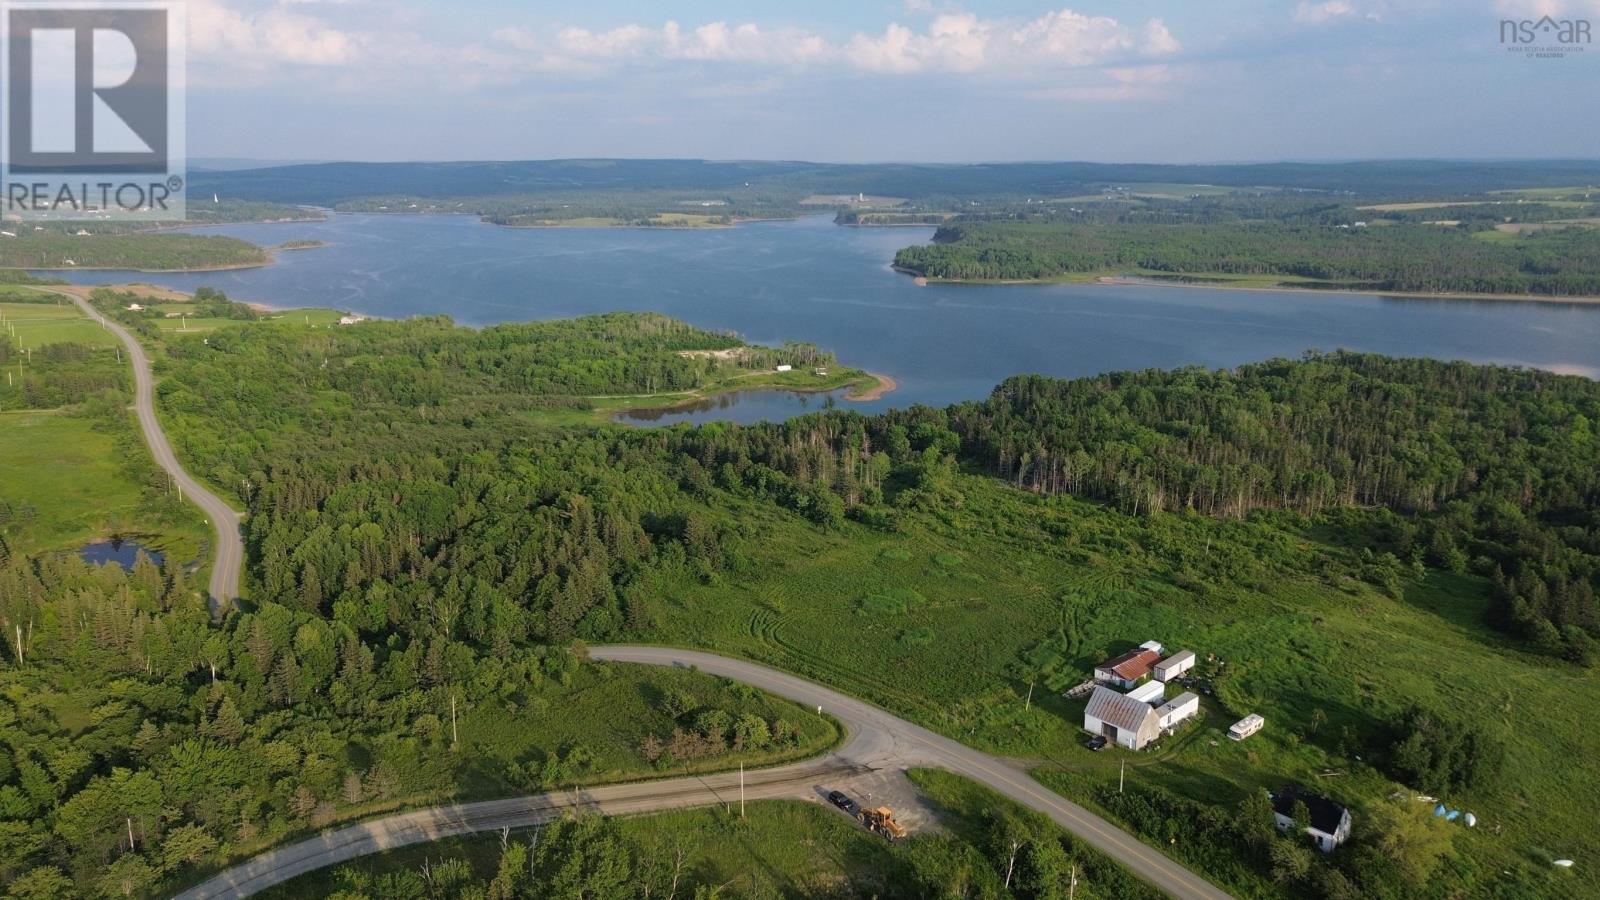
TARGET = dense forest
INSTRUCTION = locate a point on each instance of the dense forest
(1421, 258)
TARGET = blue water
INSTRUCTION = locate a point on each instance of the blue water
(122, 551)
(811, 280)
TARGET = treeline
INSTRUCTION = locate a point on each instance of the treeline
(1493, 469)
(1420, 258)
(151, 251)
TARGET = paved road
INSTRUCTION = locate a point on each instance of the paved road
(228, 555)
(876, 741)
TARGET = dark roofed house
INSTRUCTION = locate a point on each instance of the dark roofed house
(1330, 822)
(1122, 719)
(1128, 669)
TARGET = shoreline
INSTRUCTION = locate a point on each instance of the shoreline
(855, 392)
(885, 385)
(1138, 281)
(229, 267)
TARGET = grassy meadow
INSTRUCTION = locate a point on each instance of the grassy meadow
(608, 710)
(33, 325)
(949, 618)
(79, 472)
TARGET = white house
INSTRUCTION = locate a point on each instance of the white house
(1150, 692)
(1174, 665)
(1179, 708)
(1127, 670)
(352, 320)
(1330, 822)
(1246, 726)
(1121, 719)
(786, 368)
(134, 307)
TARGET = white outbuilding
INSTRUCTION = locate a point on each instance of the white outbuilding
(1184, 706)
(1150, 692)
(1175, 665)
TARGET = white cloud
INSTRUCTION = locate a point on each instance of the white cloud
(743, 43)
(272, 35)
(950, 42)
(953, 42)
(1323, 12)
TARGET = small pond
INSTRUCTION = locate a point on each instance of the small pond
(122, 551)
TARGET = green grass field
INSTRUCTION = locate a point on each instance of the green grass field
(69, 481)
(993, 588)
(33, 325)
(320, 318)
(609, 710)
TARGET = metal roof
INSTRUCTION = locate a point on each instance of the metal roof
(1118, 709)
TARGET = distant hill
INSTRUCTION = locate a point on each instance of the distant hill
(330, 183)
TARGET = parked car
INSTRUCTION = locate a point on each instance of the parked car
(1097, 743)
(838, 798)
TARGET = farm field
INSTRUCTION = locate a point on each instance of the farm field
(949, 620)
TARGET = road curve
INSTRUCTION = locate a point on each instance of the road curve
(880, 740)
(228, 553)
(875, 741)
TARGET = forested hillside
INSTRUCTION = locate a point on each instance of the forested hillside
(1419, 258)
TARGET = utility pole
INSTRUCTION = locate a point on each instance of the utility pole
(1123, 777)
(741, 790)
(130, 834)
(453, 735)
(1072, 885)
(1029, 705)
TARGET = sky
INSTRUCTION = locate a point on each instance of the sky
(884, 80)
